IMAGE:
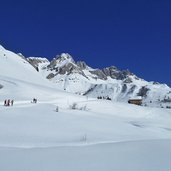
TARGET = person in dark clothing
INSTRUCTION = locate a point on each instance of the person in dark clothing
(5, 102)
(8, 102)
(34, 100)
(12, 102)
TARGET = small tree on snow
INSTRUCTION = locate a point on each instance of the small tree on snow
(84, 138)
(57, 109)
(74, 106)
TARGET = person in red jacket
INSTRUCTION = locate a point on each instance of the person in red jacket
(5, 102)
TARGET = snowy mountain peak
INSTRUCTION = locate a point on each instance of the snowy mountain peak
(82, 65)
(65, 56)
(64, 59)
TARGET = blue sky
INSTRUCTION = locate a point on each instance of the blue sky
(134, 35)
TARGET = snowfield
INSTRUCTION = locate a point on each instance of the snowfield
(126, 156)
(86, 134)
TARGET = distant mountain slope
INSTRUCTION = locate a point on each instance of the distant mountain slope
(19, 80)
(16, 66)
(110, 82)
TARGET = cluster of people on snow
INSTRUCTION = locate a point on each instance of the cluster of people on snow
(34, 100)
(8, 102)
(102, 97)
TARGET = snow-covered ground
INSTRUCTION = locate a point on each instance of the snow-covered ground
(97, 135)
(105, 137)
(126, 156)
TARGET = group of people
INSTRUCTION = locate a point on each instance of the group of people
(34, 100)
(102, 97)
(8, 102)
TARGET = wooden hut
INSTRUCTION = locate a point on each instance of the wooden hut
(136, 101)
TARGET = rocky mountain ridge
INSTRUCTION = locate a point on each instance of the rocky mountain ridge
(108, 83)
(77, 77)
(65, 64)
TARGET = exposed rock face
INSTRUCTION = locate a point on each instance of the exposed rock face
(124, 88)
(1, 86)
(100, 74)
(143, 92)
(36, 61)
(67, 69)
(50, 76)
(115, 73)
(112, 72)
(82, 65)
(132, 89)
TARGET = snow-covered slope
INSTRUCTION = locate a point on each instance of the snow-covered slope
(15, 66)
(111, 83)
(86, 133)
(105, 136)
(126, 156)
(19, 79)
